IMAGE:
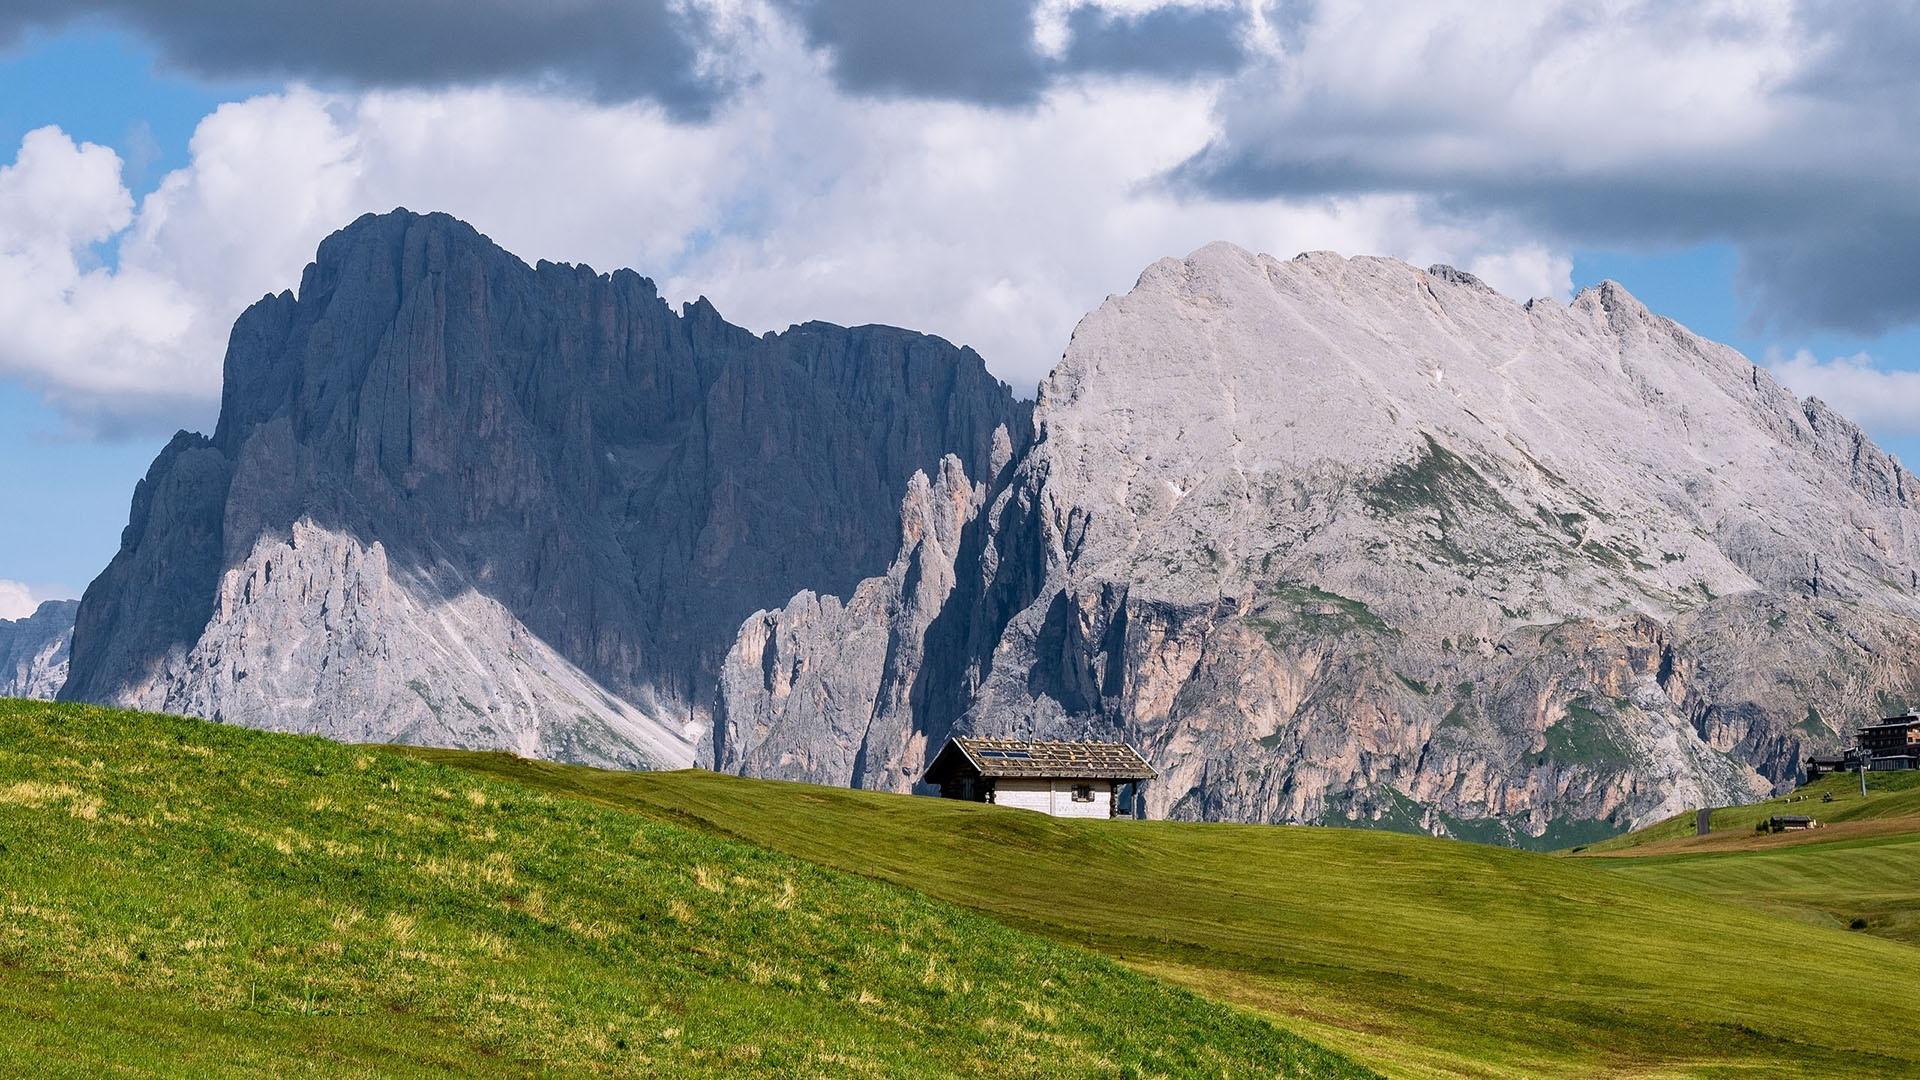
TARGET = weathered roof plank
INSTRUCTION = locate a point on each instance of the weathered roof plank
(1065, 760)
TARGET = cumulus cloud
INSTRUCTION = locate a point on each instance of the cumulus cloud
(995, 229)
(675, 53)
(138, 344)
(1783, 128)
(1008, 52)
(16, 600)
(983, 50)
(1525, 271)
(1175, 41)
(101, 341)
(1885, 401)
(608, 49)
(1490, 141)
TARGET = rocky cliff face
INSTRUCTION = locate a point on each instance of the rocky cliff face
(459, 500)
(33, 651)
(1342, 540)
(1329, 539)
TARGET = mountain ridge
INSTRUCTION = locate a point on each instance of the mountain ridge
(34, 650)
(1342, 539)
(1331, 539)
(534, 497)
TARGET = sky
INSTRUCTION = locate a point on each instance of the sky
(987, 171)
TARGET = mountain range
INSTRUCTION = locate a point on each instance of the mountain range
(454, 499)
(34, 650)
(1330, 540)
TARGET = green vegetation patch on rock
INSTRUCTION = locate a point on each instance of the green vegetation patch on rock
(1437, 479)
(1587, 734)
(1298, 608)
(1443, 484)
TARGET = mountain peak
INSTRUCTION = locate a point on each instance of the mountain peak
(1611, 297)
(389, 226)
(1338, 539)
(538, 492)
(1457, 277)
(34, 650)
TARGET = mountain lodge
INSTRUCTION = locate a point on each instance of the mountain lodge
(1064, 779)
(1893, 743)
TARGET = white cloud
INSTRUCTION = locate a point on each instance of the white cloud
(1378, 91)
(79, 329)
(1486, 136)
(994, 228)
(143, 339)
(1526, 271)
(1885, 401)
(16, 600)
(1781, 127)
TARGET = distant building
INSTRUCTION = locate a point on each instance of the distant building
(1065, 779)
(1893, 743)
(1820, 765)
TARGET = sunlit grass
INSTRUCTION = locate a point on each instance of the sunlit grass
(181, 898)
(1421, 957)
(1860, 871)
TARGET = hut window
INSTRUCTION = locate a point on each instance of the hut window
(1083, 793)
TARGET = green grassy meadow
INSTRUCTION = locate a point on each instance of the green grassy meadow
(179, 898)
(1860, 871)
(1889, 795)
(1419, 957)
(183, 898)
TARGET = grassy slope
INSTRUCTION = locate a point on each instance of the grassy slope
(1421, 957)
(1862, 868)
(186, 899)
(1889, 795)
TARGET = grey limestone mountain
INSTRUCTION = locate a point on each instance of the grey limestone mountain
(33, 651)
(1342, 540)
(1330, 540)
(459, 500)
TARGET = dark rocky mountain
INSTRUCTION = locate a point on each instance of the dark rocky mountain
(1332, 540)
(455, 499)
(33, 651)
(1341, 540)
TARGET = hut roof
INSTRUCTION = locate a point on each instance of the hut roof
(1064, 760)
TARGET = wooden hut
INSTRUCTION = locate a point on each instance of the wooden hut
(1065, 779)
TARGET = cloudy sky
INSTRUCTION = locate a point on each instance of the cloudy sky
(986, 171)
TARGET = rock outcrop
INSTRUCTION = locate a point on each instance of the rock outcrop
(33, 651)
(459, 500)
(1338, 540)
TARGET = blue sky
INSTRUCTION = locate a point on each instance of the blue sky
(1697, 286)
(66, 492)
(100, 85)
(809, 171)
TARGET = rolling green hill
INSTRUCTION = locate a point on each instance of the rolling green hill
(1870, 884)
(181, 898)
(1420, 957)
(1860, 870)
(1890, 795)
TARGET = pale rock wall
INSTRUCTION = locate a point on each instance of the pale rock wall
(1341, 540)
(34, 651)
